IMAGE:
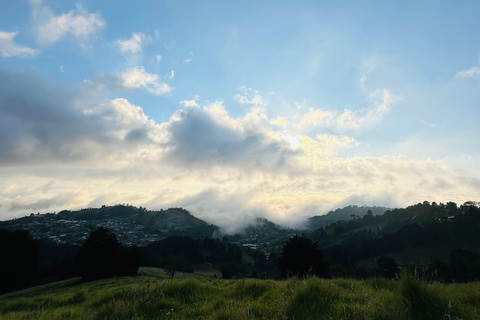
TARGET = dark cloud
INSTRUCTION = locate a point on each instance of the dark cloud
(38, 120)
(198, 139)
(41, 121)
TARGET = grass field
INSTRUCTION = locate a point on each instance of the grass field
(151, 295)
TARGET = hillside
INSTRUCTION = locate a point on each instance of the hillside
(150, 296)
(417, 235)
(139, 226)
(132, 225)
(346, 213)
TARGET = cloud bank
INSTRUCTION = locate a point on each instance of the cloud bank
(69, 146)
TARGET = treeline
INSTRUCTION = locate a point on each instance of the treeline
(181, 253)
(27, 262)
(400, 230)
(331, 251)
(346, 213)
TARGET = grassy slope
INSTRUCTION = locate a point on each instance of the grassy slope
(152, 296)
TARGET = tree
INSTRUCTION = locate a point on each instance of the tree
(464, 265)
(102, 256)
(19, 264)
(387, 267)
(170, 270)
(300, 257)
(229, 271)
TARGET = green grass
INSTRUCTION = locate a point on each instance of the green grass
(152, 296)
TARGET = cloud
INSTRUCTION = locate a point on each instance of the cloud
(79, 24)
(135, 78)
(363, 79)
(206, 137)
(172, 74)
(187, 60)
(158, 58)
(44, 204)
(67, 147)
(250, 97)
(472, 72)
(124, 121)
(132, 79)
(231, 211)
(191, 103)
(469, 73)
(134, 44)
(8, 47)
(350, 120)
(279, 121)
(63, 123)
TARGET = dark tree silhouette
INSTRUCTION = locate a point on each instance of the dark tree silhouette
(301, 257)
(19, 260)
(387, 267)
(102, 256)
(464, 265)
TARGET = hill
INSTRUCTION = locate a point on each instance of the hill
(346, 213)
(131, 225)
(418, 235)
(150, 296)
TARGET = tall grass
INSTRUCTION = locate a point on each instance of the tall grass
(424, 302)
(152, 298)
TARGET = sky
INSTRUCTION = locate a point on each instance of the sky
(236, 110)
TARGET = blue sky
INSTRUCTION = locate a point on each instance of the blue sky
(238, 109)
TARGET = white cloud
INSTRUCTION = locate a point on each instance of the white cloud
(472, 72)
(279, 121)
(134, 44)
(317, 116)
(349, 119)
(250, 97)
(78, 23)
(67, 147)
(135, 78)
(172, 74)
(187, 60)
(363, 79)
(191, 103)
(8, 47)
(158, 57)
